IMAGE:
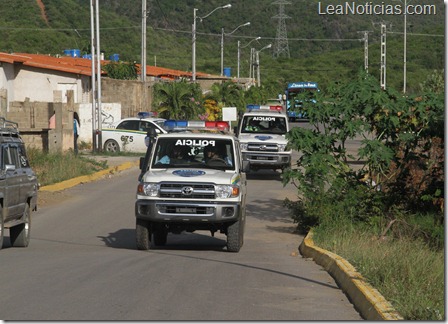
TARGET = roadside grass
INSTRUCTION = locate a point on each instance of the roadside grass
(56, 167)
(407, 272)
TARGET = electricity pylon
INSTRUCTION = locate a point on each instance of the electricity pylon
(281, 46)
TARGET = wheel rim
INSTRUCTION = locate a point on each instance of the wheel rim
(112, 146)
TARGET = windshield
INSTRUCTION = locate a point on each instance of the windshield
(264, 124)
(194, 152)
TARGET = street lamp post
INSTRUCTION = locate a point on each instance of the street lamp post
(258, 63)
(222, 43)
(239, 48)
(193, 49)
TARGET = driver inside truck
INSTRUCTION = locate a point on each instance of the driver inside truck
(253, 125)
(215, 153)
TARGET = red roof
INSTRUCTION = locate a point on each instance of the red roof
(83, 65)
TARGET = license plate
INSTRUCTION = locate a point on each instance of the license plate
(185, 210)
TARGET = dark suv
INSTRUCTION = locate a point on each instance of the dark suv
(18, 186)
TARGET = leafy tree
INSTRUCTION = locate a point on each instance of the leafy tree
(228, 93)
(177, 100)
(121, 70)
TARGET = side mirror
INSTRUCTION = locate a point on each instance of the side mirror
(141, 163)
(246, 166)
(235, 130)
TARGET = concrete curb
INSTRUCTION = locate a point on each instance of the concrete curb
(368, 301)
(87, 178)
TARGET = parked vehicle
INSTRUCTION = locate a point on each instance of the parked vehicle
(18, 186)
(128, 134)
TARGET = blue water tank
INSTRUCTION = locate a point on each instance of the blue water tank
(67, 52)
(87, 56)
(75, 53)
(227, 72)
(114, 57)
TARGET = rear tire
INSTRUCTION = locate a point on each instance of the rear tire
(111, 146)
(19, 235)
(234, 239)
(143, 234)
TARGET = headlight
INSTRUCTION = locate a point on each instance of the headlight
(148, 189)
(243, 146)
(227, 191)
(281, 147)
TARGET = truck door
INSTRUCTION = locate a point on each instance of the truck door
(13, 177)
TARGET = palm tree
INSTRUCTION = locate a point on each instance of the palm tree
(177, 100)
(228, 93)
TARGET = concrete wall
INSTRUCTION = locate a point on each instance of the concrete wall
(6, 83)
(111, 113)
(134, 96)
(39, 85)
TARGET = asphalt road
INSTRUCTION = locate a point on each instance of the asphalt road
(82, 264)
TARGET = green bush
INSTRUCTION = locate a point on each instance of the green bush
(56, 167)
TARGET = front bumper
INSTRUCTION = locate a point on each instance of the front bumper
(182, 211)
(267, 160)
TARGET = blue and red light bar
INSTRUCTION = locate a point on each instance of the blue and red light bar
(146, 114)
(264, 107)
(172, 124)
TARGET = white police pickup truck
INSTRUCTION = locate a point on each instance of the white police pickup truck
(261, 131)
(191, 179)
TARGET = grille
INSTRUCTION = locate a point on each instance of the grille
(187, 191)
(255, 147)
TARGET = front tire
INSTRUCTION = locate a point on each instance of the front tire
(143, 234)
(20, 234)
(234, 237)
(111, 146)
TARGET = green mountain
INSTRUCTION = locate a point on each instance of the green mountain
(324, 37)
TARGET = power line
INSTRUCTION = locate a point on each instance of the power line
(415, 34)
(212, 34)
(163, 13)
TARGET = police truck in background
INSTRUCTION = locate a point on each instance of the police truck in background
(261, 131)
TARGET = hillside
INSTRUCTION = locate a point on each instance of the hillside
(322, 47)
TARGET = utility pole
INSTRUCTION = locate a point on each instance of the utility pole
(281, 41)
(383, 56)
(366, 49)
(93, 81)
(143, 55)
(404, 45)
(98, 80)
(405, 12)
